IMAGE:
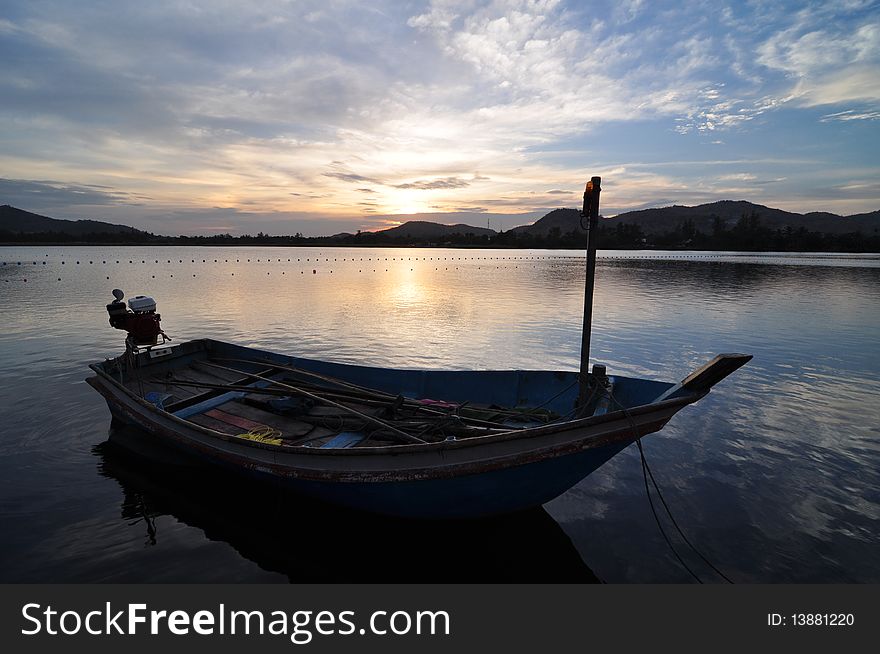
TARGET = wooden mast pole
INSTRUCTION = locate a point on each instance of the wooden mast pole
(591, 213)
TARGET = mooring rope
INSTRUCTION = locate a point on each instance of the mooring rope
(646, 474)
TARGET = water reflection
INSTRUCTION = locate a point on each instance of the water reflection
(310, 542)
(775, 475)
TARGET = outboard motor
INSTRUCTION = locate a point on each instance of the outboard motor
(139, 319)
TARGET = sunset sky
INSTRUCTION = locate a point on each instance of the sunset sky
(324, 116)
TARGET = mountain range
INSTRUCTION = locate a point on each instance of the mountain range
(651, 221)
(666, 219)
(730, 211)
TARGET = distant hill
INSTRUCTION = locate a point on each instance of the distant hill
(666, 219)
(424, 229)
(565, 220)
(19, 221)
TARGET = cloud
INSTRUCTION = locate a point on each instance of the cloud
(850, 114)
(739, 177)
(352, 177)
(428, 184)
(727, 114)
(830, 60)
(44, 194)
(438, 18)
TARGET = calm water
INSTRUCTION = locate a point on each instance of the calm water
(775, 475)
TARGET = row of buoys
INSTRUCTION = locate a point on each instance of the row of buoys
(283, 272)
(512, 258)
(144, 261)
(156, 262)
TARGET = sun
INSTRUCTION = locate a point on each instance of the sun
(408, 202)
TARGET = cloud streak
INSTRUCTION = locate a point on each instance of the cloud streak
(431, 184)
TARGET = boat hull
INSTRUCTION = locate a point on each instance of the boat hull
(496, 492)
(464, 479)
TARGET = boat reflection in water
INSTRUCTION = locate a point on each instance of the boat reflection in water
(308, 541)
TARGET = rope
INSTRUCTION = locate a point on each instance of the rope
(262, 434)
(646, 474)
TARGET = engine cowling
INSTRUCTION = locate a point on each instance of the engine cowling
(139, 319)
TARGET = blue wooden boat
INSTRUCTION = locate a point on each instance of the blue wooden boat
(507, 440)
(411, 443)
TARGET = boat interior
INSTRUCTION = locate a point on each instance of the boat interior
(287, 401)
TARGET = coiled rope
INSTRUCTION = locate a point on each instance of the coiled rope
(262, 434)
